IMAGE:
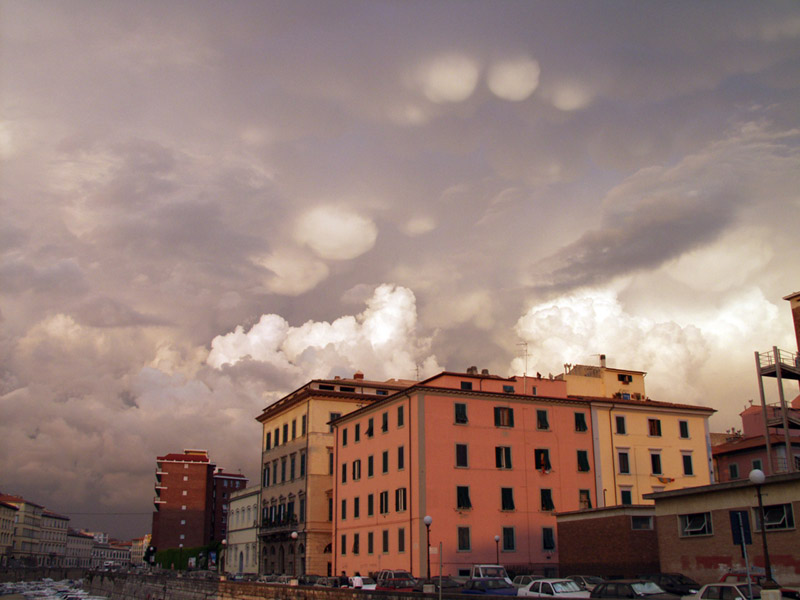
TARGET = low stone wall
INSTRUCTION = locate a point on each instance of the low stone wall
(122, 586)
(38, 573)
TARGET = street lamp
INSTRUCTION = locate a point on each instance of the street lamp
(428, 520)
(497, 548)
(757, 477)
(293, 535)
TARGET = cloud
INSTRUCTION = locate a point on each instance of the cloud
(335, 233)
(381, 341)
(513, 80)
(293, 272)
(449, 78)
(418, 226)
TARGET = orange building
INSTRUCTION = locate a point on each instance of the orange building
(488, 458)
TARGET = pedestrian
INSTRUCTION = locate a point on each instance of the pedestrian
(343, 580)
(358, 583)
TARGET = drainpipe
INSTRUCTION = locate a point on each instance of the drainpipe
(613, 457)
(410, 492)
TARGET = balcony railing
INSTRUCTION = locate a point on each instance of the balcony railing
(279, 524)
(787, 359)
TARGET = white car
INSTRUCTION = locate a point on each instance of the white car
(553, 588)
(725, 591)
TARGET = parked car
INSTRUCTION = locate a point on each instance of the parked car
(553, 588)
(285, 579)
(757, 577)
(523, 580)
(308, 579)
(367, 583)
(726, 591)
(631, 588)
(491, 586)
(489, 571)
(392, 574)
(446, 583)
(586, 582)
(674, 583)
(396, 585)
(328, 582)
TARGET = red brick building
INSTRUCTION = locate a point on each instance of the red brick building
(191, 500)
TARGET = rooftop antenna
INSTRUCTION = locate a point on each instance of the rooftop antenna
(525, 372)
(417, 366)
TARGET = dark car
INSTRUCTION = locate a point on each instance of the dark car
(447, 584)
(631, 588)
(491, 586)
(396, 585)
(674, 583)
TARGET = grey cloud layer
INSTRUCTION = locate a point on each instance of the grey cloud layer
(175, 173)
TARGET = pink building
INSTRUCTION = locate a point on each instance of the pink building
(488, 458)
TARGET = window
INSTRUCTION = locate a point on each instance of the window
(683, 426)
(275, 471)
(285, 433)
(508, 389)
(370, 505)
(400, 499)
(326, 387)
(401, 458)
(385, 533)
(580, 422)
(623, 378)
(344, 472)
(370, 466)
(466, 385)
(344, 544)
(303, 422)
(385, 422)
(503, 416)
(733, 471)
(294, 428)
(357, 469)
(506, 498)
(344, 509)
(584, 499)
(655, 463)
(385, 461)
(283, 469)
(302, 510)
(384, 501)
(621, 429)
(401, 417)
(344, 436)
(654, 427)
(509, 539)
(541, 420)
(356, 543)
(370, 428)
(292, 466)
(357, 432)
(548, 538)
(269, 440)
(462, 497)
(346, 388)
(757, 464)
(302, 464)
(277, 436)
(626, 496)
(370, 542)
(546, 495)
(462, 458)
(266, 475)
(776, 517)
(463, 539)
(330, 509)
(624, 462)
(583, 460)
(401, 539)
(641, 523)
(688, 469)
(502, 457)
(695, 524)
(541, 458)
(330, 463)
(461, 413)
(333, 416)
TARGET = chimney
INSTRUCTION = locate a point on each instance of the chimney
(794, 302)
(472, 370)
(358, 375)
(484, 371)
(603, 360)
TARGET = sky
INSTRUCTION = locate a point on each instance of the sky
(207, 204)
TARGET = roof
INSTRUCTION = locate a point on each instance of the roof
(750, 443)
(48, 513)
(18, 499)
(644, 403)
(7, 505)
(791, 296)
(229, 475)
(721, 487)
(175, 457)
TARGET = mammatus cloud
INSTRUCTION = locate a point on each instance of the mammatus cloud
(335, 233)
(449, 78)
(513, 80)
(381, 341)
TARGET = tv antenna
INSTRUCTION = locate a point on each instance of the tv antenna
(525, 372)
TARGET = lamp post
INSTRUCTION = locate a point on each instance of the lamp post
(757, 477)
(497, 548)
(428, 520)
(293, 535)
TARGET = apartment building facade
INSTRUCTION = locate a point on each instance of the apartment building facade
(489, 459)
(8, 516)
(54, 538)
(641, 445)
(295, 516)
(79, 549)
(26, 548)
(242, 541)
(224, 484)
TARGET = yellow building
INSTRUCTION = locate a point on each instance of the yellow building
(297, 471)
(640, 445)
(8, 515)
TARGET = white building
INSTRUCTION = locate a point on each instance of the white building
(241, 553)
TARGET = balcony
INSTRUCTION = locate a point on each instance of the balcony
(278, 525)
(789, 363)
